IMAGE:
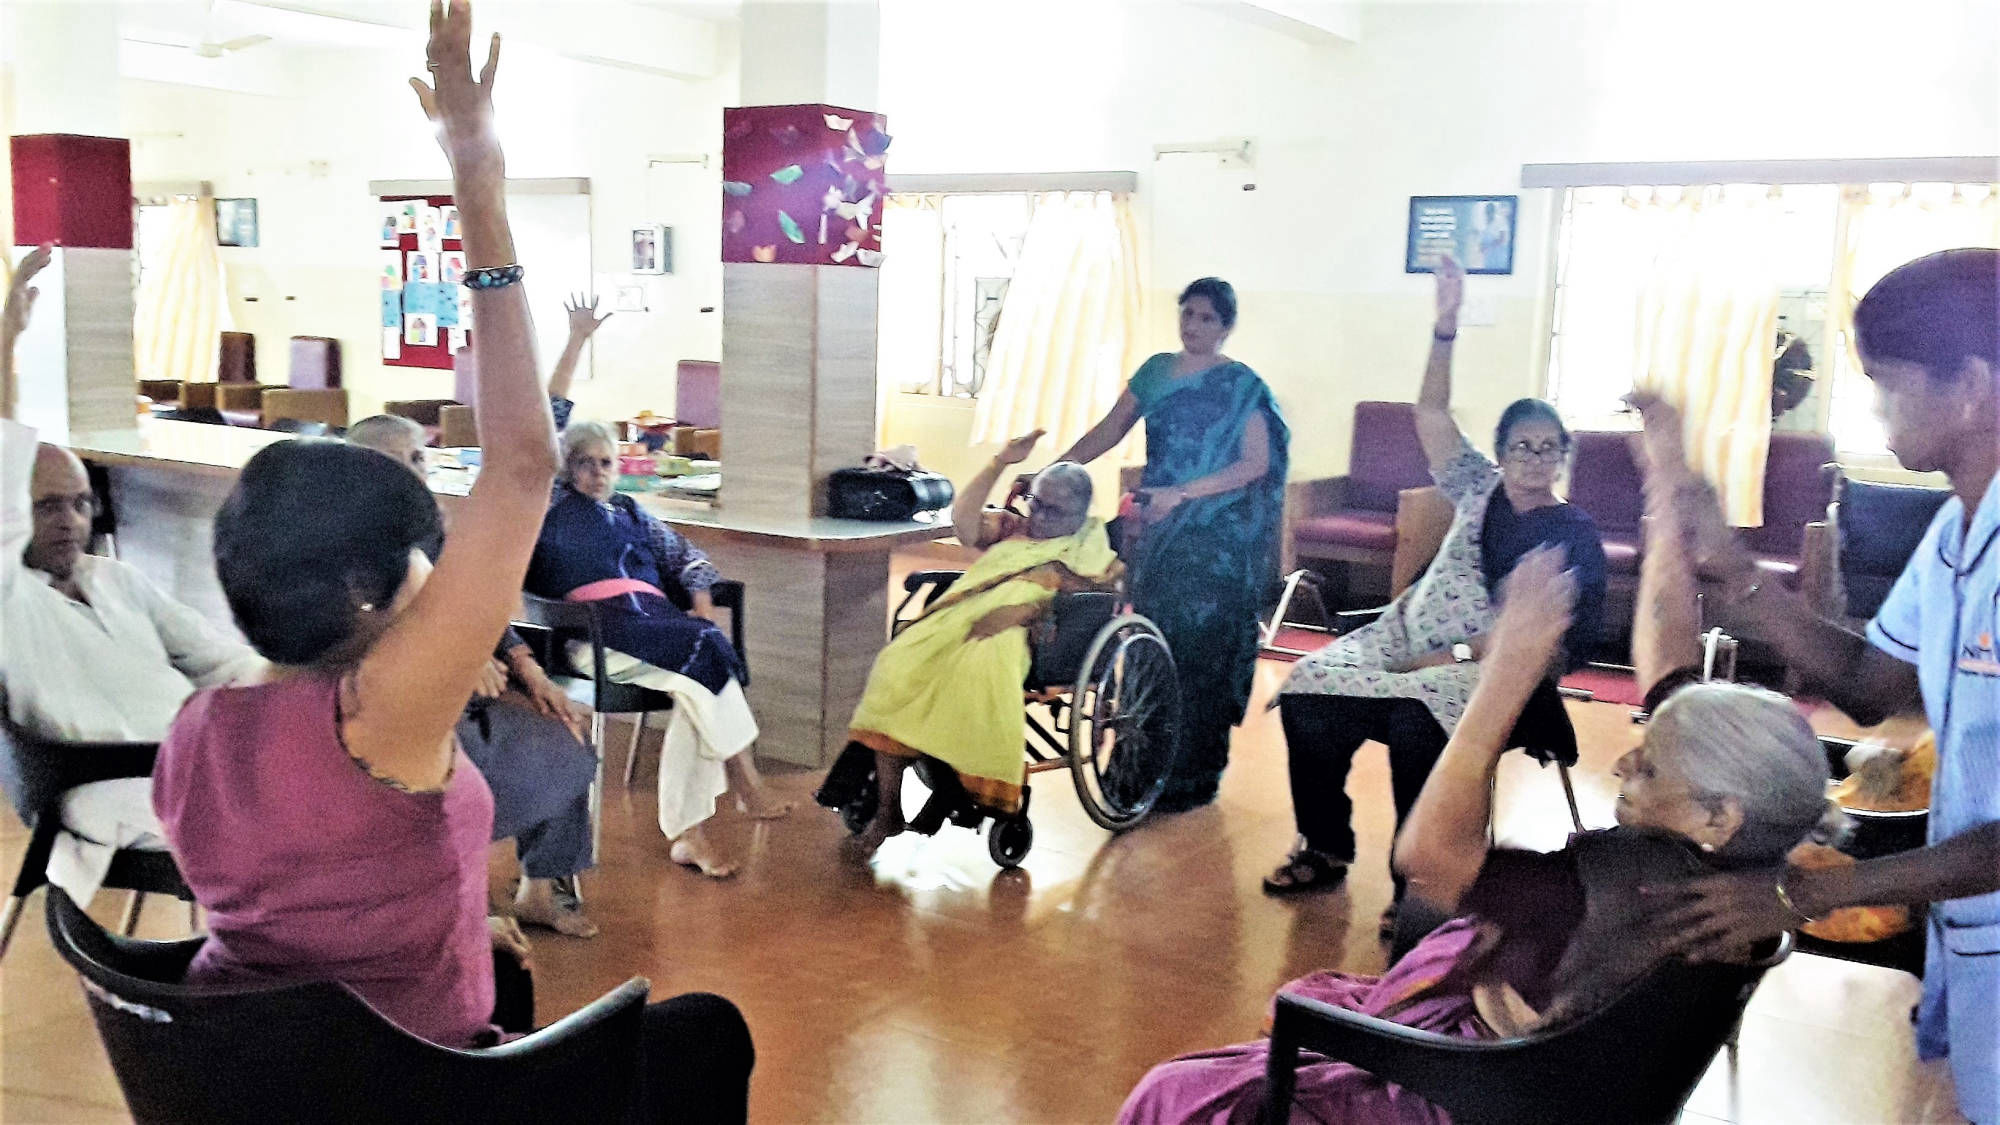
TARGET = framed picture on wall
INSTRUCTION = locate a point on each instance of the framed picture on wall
(236, 222)
(1478, 230)
(653, 249)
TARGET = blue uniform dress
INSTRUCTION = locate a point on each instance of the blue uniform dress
(1944, 617)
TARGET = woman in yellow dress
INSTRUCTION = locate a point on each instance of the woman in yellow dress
(949, 686)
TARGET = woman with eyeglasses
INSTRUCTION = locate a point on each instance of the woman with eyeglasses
(1404, 681)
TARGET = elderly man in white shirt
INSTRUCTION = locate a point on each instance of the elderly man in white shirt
(90, 650)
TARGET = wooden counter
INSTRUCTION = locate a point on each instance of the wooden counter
(816, 599)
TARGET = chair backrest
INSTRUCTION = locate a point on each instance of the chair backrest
(315, 1052)
(35, 771)
(1387, 457)
(458, 428)
(315, 363)
(698, 393)
(237, 358)
(1878, 527)
(327, 407)
(422, 411)
(1604, 481)
(1796, 492)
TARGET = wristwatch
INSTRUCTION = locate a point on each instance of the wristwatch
(1461, 653)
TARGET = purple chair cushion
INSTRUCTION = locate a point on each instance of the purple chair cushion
(1387, 456)
(1621, 554)
(1796, 493)
(1374, 531)
(1606, 484)
(465, 375)
(315, 363)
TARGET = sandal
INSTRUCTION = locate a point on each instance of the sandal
(1305, 871)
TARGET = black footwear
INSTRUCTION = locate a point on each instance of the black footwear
(1304, 872)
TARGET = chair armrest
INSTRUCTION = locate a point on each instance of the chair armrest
(1423, 519)
(607, 1025)
(198, 396)
(1305, 499)
(728, 594)
(1819, 572)
(1440, 1068)
(161, 390)
(328, 406)
(240, 396)
(84, 762)
(942, 579)
(458, 426)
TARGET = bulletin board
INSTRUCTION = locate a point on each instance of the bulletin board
(426, 313)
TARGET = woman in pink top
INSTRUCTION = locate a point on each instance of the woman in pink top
(325, 816)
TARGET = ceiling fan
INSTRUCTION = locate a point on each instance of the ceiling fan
(208, 46)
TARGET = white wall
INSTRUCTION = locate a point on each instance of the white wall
(308, 161)
(1432, 99)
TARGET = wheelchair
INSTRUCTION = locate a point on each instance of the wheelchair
(1107, 682)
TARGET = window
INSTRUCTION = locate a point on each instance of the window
(944, 285)
(1817, 248)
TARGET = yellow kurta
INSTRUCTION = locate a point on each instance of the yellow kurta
(935, 691)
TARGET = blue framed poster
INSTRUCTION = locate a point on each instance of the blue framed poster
(1478, 230)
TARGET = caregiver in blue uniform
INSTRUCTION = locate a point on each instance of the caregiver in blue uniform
(1929, 336)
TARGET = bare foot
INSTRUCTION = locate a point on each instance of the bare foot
(694, 850)
(536, 905)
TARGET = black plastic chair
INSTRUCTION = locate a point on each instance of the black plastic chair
(562, 622)
(316, 1052)
(1635, 1061)
(36, 774)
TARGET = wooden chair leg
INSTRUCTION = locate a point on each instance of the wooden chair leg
(632, 752)
(129, 924)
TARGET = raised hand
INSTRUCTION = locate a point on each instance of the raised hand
(21, 293)
(1536, 603)
(461, 107)
(1450, 292)
(1017, 451)
(583, 318)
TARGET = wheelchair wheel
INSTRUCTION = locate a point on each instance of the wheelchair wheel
(1125, 723)
(1008, 840)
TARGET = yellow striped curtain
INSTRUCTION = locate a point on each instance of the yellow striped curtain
(1706, 320)
(182, 307)
(1072, 328)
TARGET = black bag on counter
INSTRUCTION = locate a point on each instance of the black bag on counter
(885, 494)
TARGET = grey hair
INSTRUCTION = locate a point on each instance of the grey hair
(579, 436)
(1752, 746)
(378, 430)
(1071, 478)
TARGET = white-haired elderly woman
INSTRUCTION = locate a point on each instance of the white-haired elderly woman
(599, 546)
(1728, 778)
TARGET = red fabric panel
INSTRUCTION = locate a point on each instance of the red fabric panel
(73, 191)
(808, 162)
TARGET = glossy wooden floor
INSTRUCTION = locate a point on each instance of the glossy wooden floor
(932, 988)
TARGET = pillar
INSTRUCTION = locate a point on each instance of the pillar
(71, 172)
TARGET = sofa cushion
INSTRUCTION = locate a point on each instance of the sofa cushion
(1366, 530)
(1387, 457)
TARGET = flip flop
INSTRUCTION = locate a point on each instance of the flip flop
(1305, 872)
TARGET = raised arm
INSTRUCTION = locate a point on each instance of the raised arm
(583, 324)
(1437, 431)
(1109, 431)
(1444, 842)
(411, 687)
(20, 302)
(1666, 621)
(976, 527)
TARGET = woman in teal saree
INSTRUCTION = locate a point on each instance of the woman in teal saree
(1205, 552)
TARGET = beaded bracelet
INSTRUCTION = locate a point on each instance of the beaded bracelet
(493, 277)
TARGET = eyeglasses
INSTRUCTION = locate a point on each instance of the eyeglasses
(82, 503)
(1548, 452)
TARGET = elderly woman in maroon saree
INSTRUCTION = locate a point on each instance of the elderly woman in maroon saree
(1728, 777)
